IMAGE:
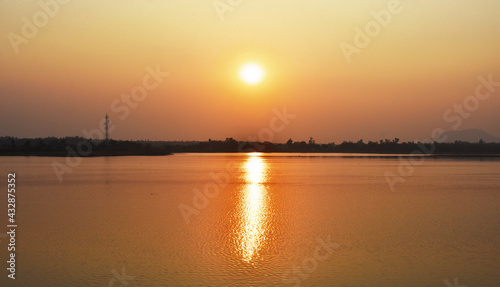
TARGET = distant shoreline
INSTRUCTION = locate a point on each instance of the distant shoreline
(82, 147)
(60, 154)
(340, 154)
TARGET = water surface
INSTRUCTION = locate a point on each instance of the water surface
(255, 220)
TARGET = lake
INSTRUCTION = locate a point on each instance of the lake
(254, 220)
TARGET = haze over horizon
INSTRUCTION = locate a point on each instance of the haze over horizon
(427, 59)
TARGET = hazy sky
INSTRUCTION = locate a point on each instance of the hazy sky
(63, 76)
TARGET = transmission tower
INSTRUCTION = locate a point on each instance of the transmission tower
(106, 126)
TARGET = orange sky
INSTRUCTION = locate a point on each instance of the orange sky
(88, 53)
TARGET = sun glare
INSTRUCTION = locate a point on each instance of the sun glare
(252, 73)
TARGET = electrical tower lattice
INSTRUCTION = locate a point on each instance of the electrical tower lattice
(106, 124)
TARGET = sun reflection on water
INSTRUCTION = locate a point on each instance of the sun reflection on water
(253, 207)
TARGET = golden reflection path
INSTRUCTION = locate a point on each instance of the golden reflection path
(253, 207)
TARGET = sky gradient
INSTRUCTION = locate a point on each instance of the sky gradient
(426, 59)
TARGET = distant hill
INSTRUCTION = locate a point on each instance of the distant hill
(471, 135)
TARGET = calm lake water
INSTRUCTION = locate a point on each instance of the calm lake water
(254, 220)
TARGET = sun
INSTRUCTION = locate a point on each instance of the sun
(252, 73)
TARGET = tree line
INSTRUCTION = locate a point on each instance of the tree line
(59, 146)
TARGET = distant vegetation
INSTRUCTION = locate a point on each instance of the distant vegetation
(83, 147)
(61, 146)
(382, 146)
